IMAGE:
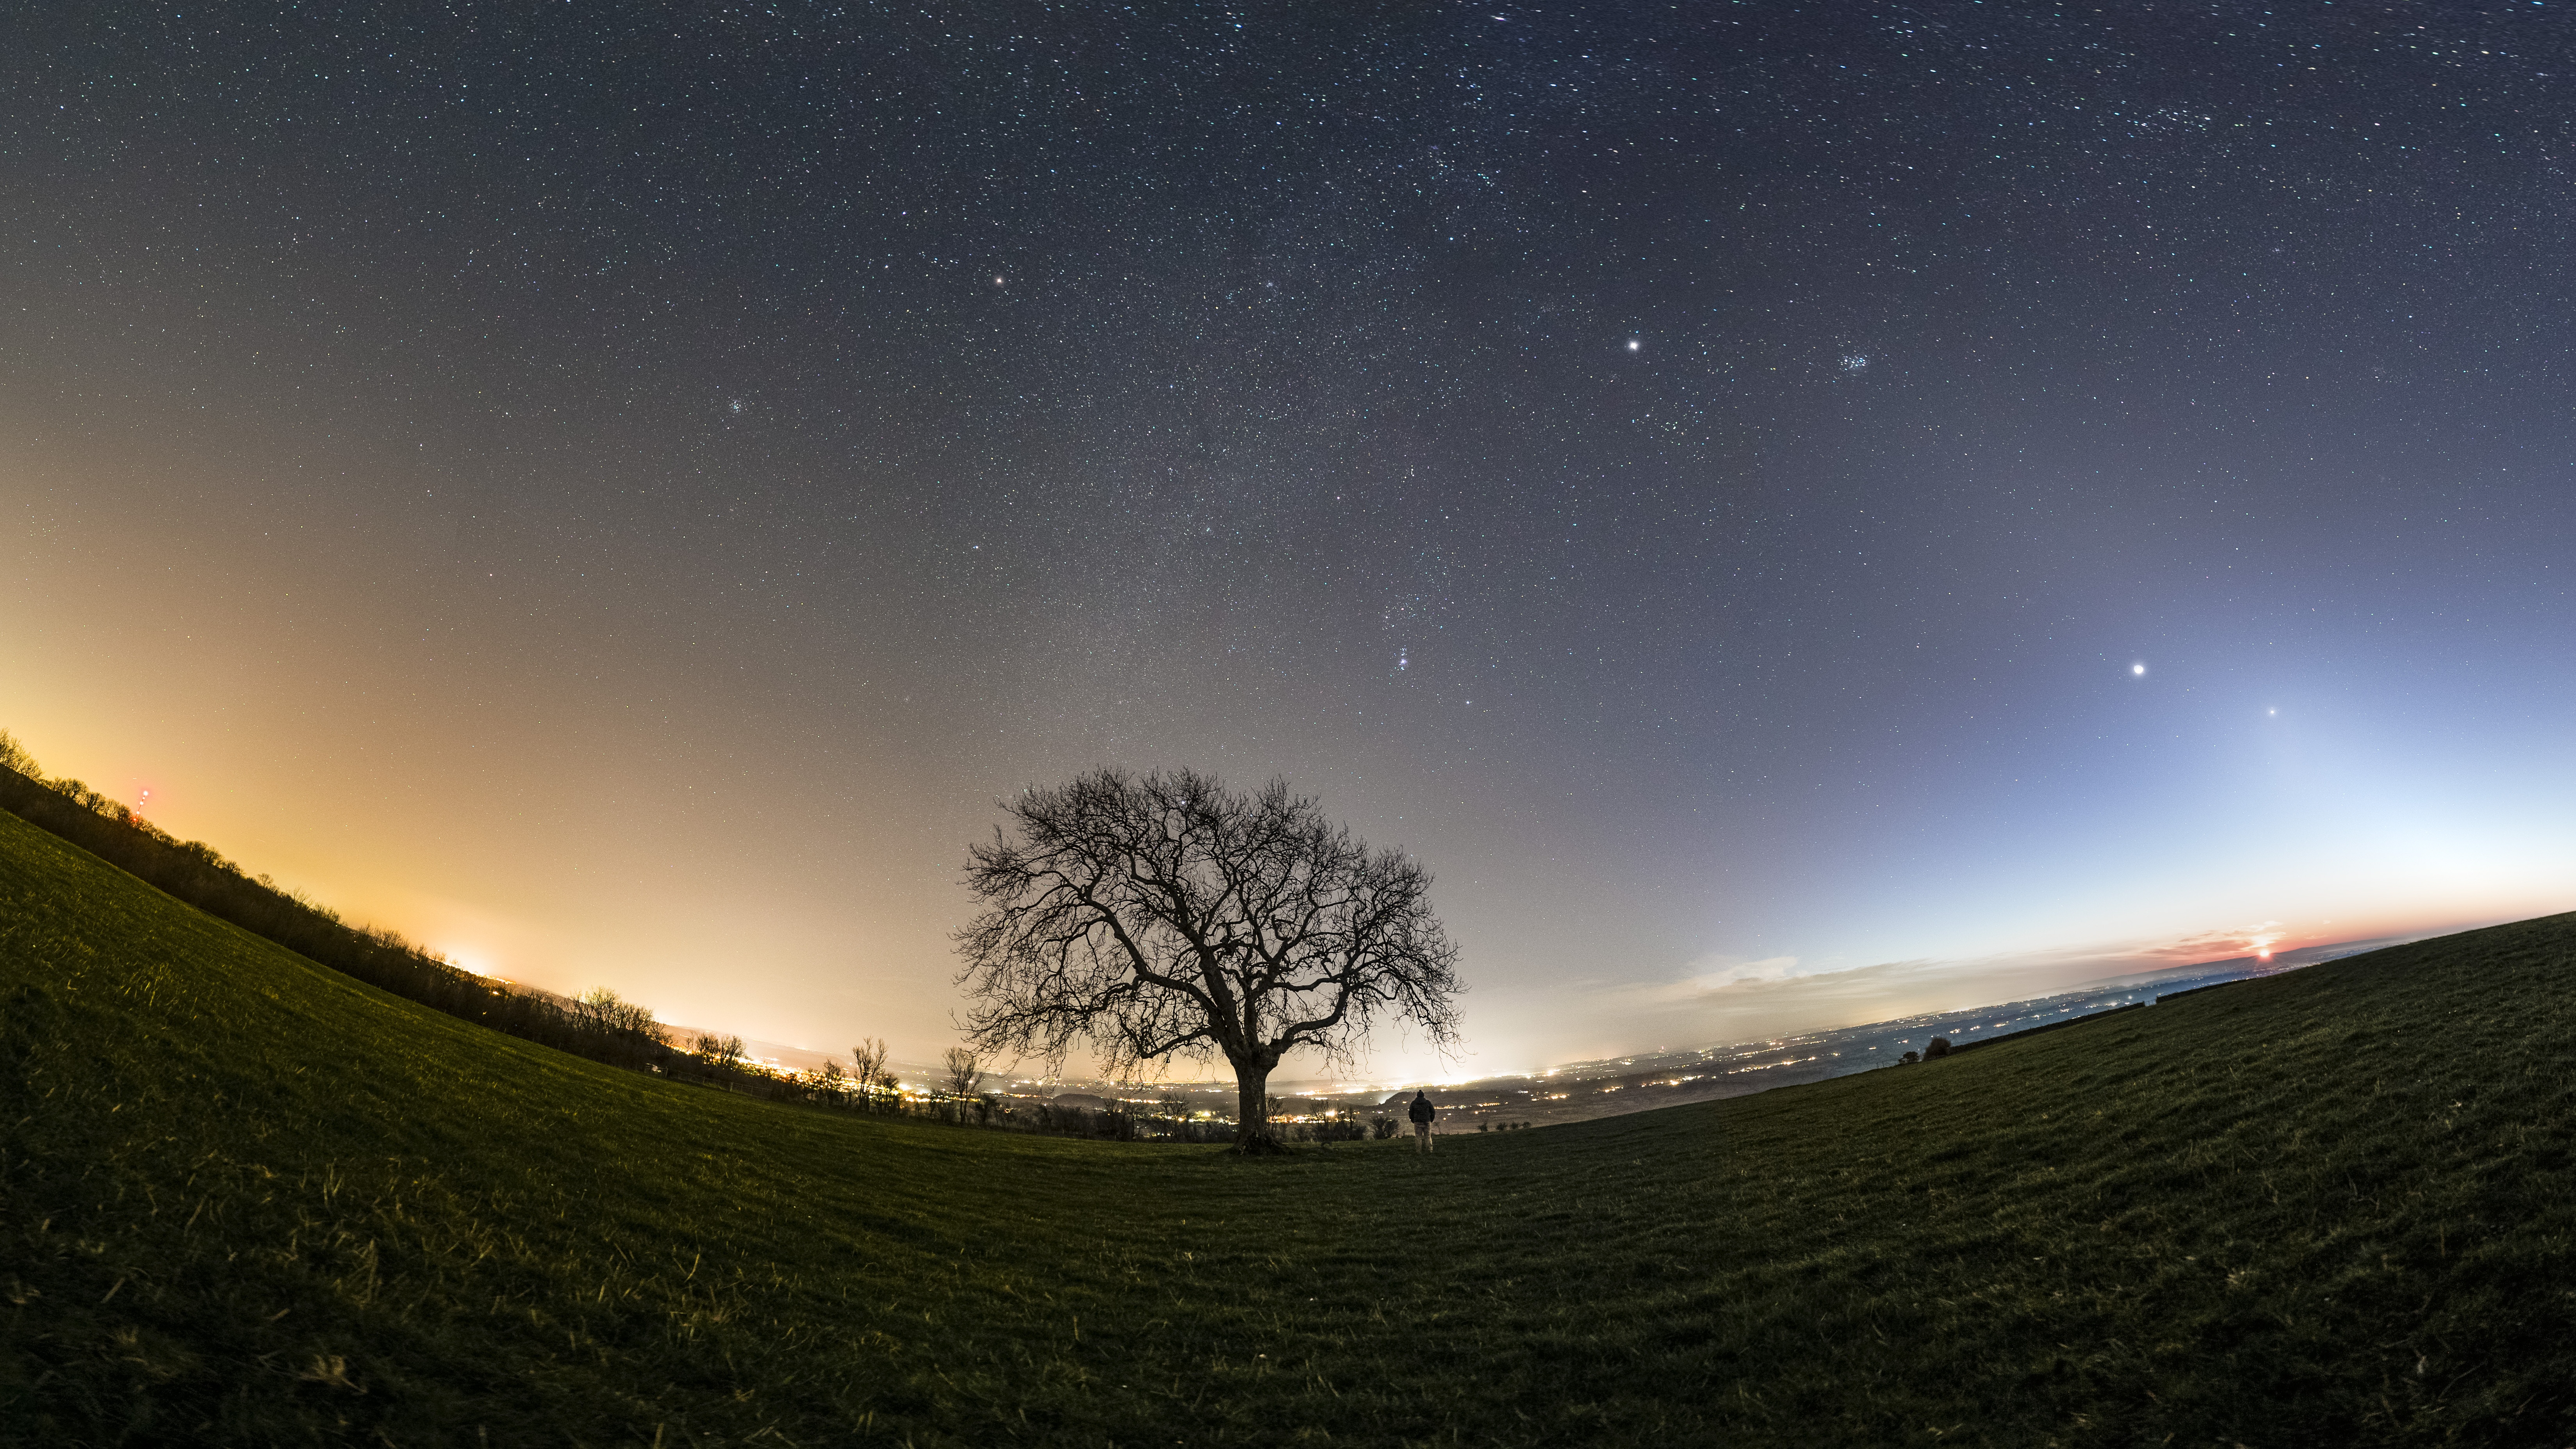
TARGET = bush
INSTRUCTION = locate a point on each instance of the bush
(1938, 1047)
(1342, 1124)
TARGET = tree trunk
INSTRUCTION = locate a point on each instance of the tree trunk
(1252, 1132)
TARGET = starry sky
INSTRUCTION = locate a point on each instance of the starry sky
(1795, 513)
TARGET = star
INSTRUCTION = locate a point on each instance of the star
(2137, 669)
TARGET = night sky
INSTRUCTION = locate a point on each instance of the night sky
(1795, 514)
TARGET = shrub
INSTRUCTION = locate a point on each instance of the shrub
(1939, 1046)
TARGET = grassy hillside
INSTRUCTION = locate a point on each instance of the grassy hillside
(247, 1200)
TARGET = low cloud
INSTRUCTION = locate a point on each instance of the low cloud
(1721, 999)
(2202, 946)
(1712, 972)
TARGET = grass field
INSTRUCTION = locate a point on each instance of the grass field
(249, 1201)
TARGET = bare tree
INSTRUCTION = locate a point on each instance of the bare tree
(722, 1054)
(602, 1010)
(14, 756)
(868, 1070)
(965, 1071)
(1167, 915)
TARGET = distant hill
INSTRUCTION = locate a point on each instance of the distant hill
(247, 1200)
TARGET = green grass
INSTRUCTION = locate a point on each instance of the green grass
(251, 1201)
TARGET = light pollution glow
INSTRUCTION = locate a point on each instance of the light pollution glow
(568, 832)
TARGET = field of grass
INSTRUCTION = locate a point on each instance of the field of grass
(246, 1200)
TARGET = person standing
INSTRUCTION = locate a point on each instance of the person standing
(1422, 1112)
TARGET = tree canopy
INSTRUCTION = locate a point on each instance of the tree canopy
(1165, 915)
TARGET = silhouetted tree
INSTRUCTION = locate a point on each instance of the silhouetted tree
(1168, 915)
(621, 1031)
(722, 1054)
(1939, 1046)
(1910, 1058)
(965, 1071)
(868, 1071)
(1341, 1124)
(14, 756)
(625, 1030)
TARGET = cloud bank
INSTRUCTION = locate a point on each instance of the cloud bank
(1721, 999)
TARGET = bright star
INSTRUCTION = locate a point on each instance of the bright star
(2137, 669)
(1634, 344)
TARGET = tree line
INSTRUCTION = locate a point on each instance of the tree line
(196, 873)
(599, 1025)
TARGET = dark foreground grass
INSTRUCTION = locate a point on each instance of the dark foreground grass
(250, 1201)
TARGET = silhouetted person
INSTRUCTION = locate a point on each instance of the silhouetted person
(1422, 1112)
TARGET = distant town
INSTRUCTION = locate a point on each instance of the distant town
(1610, 1086)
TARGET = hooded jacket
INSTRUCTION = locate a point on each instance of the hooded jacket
(1422, 1110)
